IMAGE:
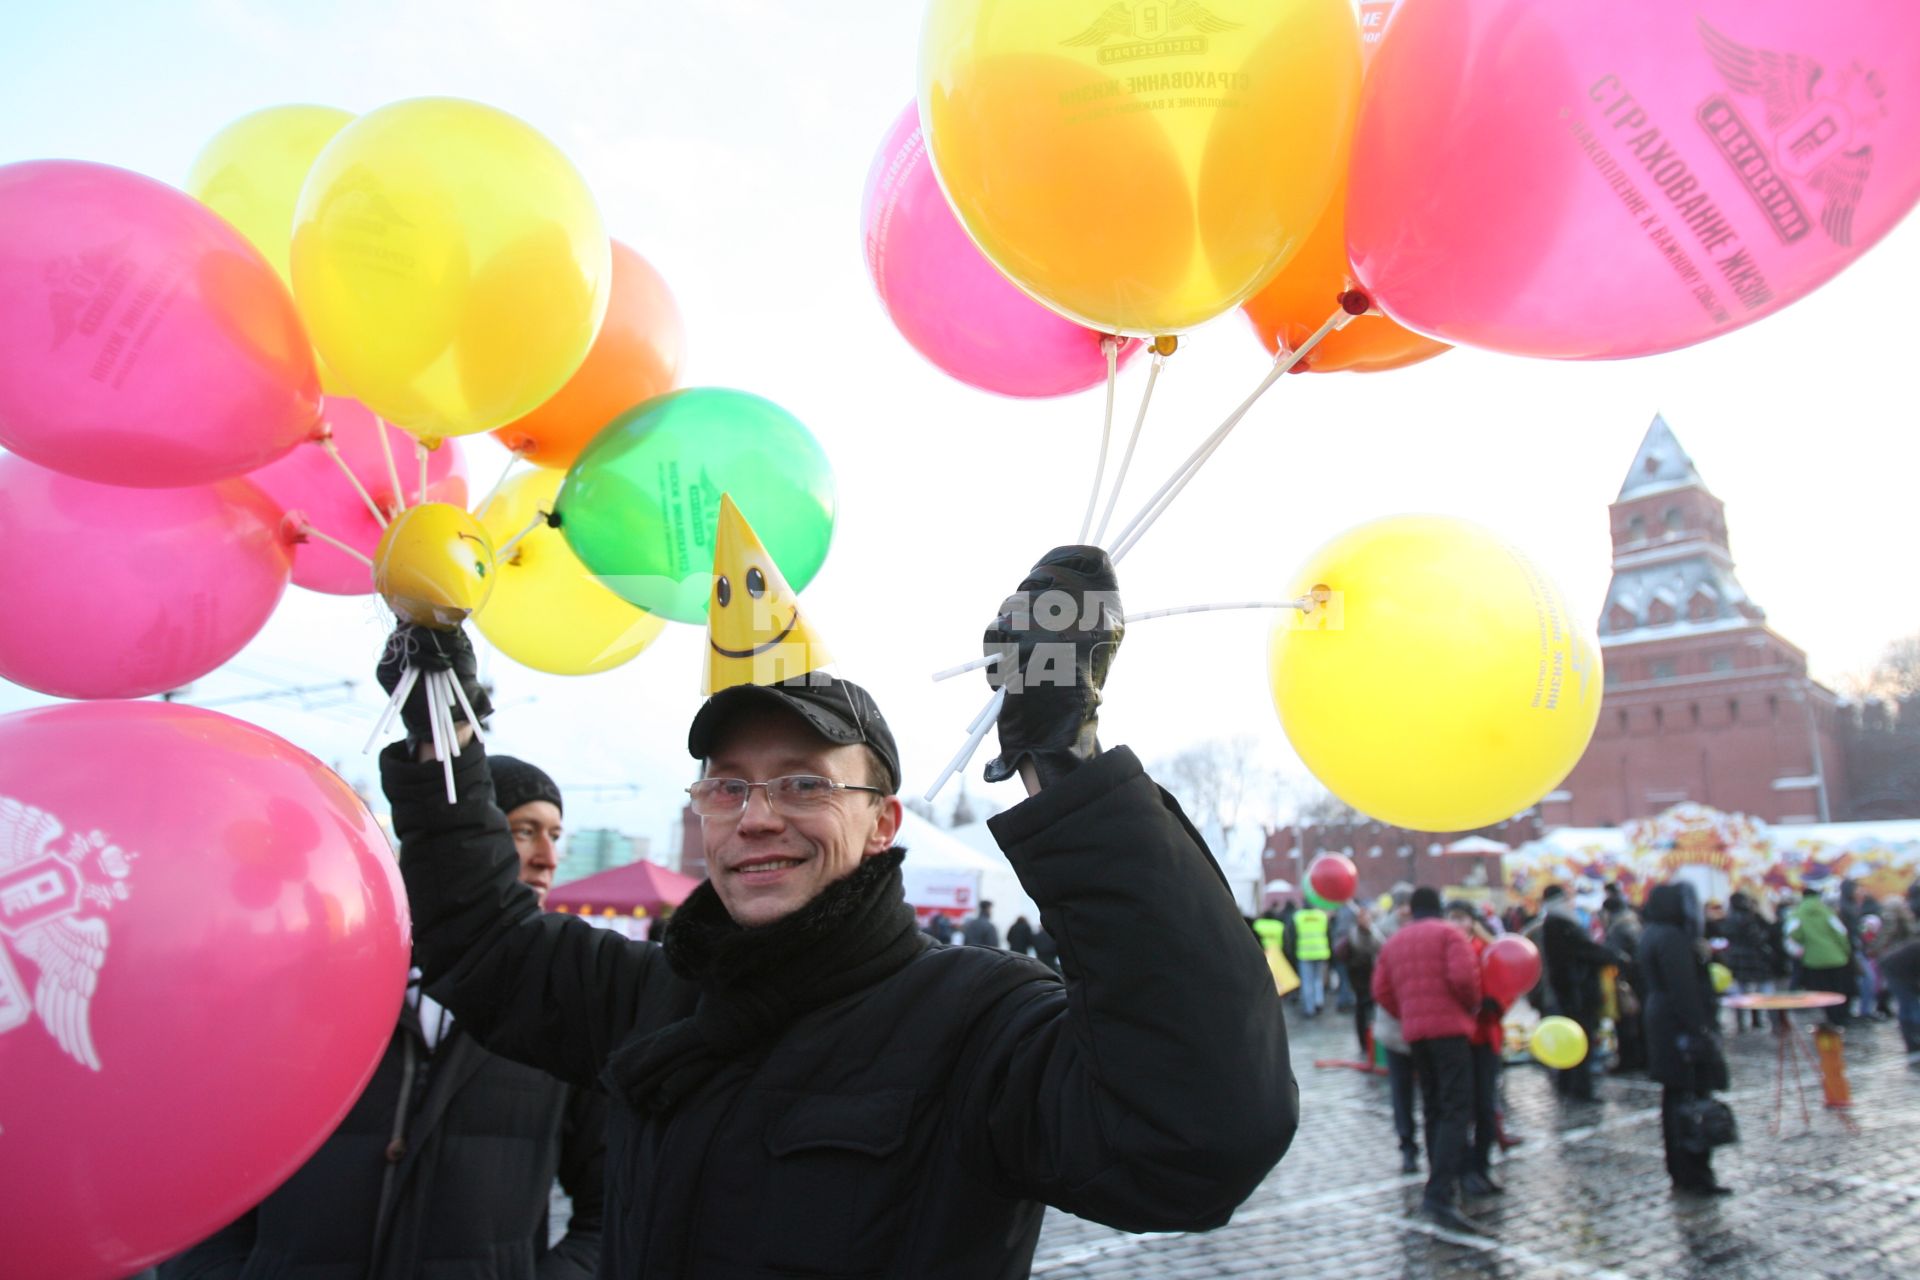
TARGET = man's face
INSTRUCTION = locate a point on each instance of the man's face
(1461, 921)
(765, 864)
(536, 838)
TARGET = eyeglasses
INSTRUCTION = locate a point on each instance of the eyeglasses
(794, 794)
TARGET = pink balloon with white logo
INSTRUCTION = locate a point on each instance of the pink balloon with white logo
(203, 948)
(315, 490)
(114, 592)
(1604, 180)
(952, 304)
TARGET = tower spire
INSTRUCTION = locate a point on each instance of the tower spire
(1660, 463)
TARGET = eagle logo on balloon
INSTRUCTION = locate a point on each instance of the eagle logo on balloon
(43, 892)
(1819, 123)
(1137, 21)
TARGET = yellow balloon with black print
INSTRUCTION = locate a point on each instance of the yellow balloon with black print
(547, 611)
(450, 265)
(1438, 680)
(1139, 166)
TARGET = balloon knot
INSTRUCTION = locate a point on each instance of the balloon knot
(1355, 303)
(1166, 344)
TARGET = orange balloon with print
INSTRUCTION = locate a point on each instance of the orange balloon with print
(1138, 166)
(636, 357)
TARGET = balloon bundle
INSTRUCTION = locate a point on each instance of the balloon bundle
(1570, 181)
(209, 394)
(262, 380)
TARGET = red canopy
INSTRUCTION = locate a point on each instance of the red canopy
(647, 886)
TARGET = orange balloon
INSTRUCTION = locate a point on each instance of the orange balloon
(1306, 291)
(636, 357)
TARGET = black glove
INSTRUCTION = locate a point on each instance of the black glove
(1490, 1008)
(428, 649)
(1056, 637)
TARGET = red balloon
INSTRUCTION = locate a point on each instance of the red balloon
(203, 949)
(1333, 877)
(1509, 968)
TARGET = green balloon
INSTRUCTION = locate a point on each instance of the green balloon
(640, 504)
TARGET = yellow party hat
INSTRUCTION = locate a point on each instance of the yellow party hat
(755, 634)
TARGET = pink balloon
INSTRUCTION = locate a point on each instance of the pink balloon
(952, 304)
(1588, 180)
(309, 487)
(119, 593)
(203, 948)
(143, 341)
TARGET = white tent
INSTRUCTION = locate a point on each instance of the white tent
(1478, 845)
(974, 846)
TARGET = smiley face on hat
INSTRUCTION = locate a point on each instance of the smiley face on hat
(755, 633)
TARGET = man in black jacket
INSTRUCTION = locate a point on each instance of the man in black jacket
(446, 1163)
(801, 1082)
(1572, 962)
(1683, 1053)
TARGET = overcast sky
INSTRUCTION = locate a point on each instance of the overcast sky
(728, 141)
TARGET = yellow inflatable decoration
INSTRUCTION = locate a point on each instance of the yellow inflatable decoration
(1139, 165)
(450, 265)
(755, 634)
(434, 565)
(1439, 681)
(547, 611)
(1560, 1043)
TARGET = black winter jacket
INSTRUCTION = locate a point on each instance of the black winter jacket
(1679, 998)
(1749, 943)
(1572, 962)
(916, 1128)
(467, 1198)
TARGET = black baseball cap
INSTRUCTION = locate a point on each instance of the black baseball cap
(838, 710)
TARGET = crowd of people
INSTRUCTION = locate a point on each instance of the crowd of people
(1024, 938)
(1412, 978)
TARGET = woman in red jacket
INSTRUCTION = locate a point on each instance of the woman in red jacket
(1427, 977)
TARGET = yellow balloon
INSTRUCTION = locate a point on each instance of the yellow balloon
(1722, 978)
(450, 265)
(547, 611)
(1139, 165)
(250, 173)
(1559, 1043)
(1439, 681)
(434, 565)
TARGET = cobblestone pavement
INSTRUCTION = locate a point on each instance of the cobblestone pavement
(1587, 1193)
